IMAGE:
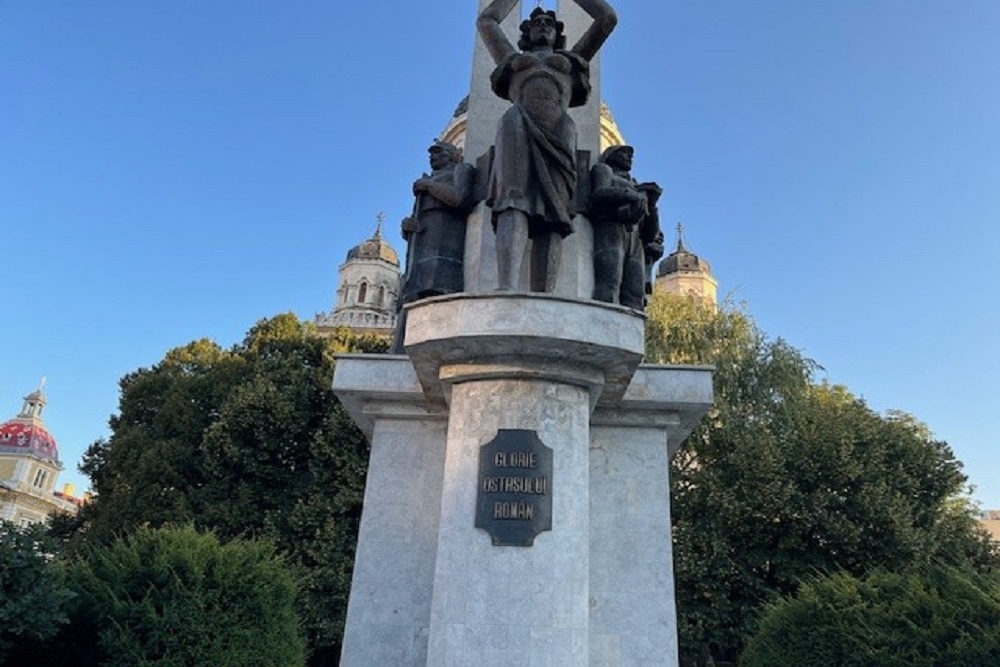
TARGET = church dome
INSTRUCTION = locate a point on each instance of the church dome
(374, 248)
(26, 433)
(683, 260)
(29, 437)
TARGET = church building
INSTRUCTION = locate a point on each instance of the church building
(30, 467)
(686, 274)
(367, 290)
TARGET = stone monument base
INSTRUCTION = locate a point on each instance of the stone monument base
(593, 588)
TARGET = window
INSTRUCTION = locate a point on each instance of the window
(363, 293)
(40, 478)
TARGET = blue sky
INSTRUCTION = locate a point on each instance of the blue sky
(177, 169)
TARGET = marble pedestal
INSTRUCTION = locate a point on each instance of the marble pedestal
(430, 588)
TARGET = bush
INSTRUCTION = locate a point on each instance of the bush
(174, 597)
(33, 595)
(934, 617)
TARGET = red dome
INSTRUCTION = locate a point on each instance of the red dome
(30, 437)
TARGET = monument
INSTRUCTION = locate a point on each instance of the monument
(517, 502)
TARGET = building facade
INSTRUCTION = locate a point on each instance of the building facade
(30, 467)
(991, 522)
(686, 274)
(367, 289)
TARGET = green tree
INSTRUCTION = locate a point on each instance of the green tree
(174, 597)
(33, 593)
(929, 617)
(248, 441)
(152, 469)
(786, 478)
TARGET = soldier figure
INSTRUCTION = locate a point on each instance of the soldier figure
(627, 233)
(435, 233)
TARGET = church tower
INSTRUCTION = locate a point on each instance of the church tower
(367, 290)
(684, 273)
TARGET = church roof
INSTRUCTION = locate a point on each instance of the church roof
(26, 433)
(374, 248)
(682, 260)
(30, 438)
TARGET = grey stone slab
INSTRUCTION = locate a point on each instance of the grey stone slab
(576, 273)
(558, 334)
(605, 650)
(673, 398)
(388, 613)
(485, 108)
(633, 615)
(381, 386)
(480, 588)
(587, 117)
(481, 252)
(431, 589)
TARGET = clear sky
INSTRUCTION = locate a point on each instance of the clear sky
(177, 169)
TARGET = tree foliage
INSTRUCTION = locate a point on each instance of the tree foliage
(787, 477)
(928, 617)
(33, 593)
(174, 597)
(248, 441)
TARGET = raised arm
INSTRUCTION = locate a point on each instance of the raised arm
(604, 23)
(492, 33)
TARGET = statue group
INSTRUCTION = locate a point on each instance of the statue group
(532, 180)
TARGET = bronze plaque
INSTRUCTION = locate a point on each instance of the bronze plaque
(514, 502)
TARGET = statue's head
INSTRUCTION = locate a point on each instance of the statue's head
(443, 153)
(541, 29)
(618, 157)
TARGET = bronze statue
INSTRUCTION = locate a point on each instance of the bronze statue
(652, 249)
(435, 233)
(626, 226)
(532, 187)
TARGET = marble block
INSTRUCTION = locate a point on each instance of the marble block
(432, 589)
(603, 342)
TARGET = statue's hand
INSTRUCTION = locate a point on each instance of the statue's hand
(410, 226)
(653, 192)
(632, 212)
